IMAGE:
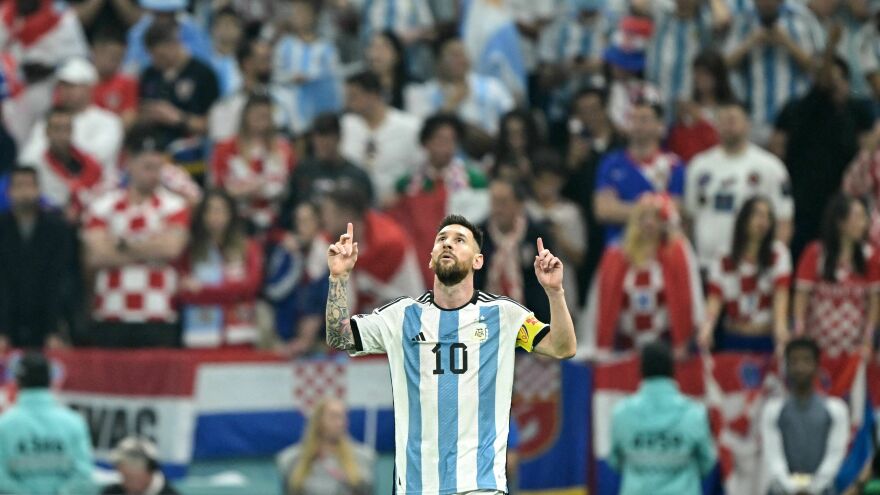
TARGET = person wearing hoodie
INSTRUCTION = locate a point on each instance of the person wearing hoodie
(45, 447)
(660, 440)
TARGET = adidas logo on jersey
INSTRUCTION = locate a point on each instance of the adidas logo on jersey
(419, 338)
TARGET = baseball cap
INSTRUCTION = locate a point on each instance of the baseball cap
(163, 5)
(78, 71)
(136, 449)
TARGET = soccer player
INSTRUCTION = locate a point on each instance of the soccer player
(451, 353)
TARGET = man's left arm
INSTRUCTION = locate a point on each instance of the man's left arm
(835, 447)
(560, 342)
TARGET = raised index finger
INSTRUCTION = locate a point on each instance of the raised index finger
(540, 246)
(350, 231)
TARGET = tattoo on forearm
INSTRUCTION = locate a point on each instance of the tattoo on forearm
(338, 324)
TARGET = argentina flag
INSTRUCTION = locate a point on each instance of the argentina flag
(489, 33)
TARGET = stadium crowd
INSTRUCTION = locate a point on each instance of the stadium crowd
(171, 171)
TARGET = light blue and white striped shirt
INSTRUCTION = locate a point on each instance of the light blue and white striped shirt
(316, 64)
(398, 16)
(228, 74)
(567, 39)
(486, 102)
(768, 76)
(452, 380)
(672, 50)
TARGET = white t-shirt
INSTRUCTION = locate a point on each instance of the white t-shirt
(96, 131)
(386, 153)
(717, 186)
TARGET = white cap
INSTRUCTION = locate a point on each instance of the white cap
(163, 5)
(78, 71)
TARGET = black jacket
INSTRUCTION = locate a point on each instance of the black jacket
(37, 278)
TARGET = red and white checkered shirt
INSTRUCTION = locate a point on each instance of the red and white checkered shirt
(748, 296)
(141, 292)
(643, 314)
(837, 312)
(272, 167)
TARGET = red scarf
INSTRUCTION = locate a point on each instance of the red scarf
(673, 257)
(88, 177)
(28, 30)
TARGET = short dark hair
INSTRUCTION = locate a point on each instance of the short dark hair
(464, 222)
(652, 104)
(327, 123)
(33, 371)
(520, 190)
(435, 122)
(142, 138)
(366, 80)
(443, 40)
(109, 35)
(246, 49)
(596, 91)
(657, 361)
(547, 160)
(803, 343)
(160, 32)
(350, 198)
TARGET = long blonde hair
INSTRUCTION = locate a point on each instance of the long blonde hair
(634, 244)
(310, 445)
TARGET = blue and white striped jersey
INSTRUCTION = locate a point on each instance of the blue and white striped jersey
(310, 71)
(398, 16)
(487, 101)
(673, 48)
(769, 77)
(568, 39)
(452, 380)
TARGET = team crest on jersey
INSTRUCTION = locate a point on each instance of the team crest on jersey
(481, 333)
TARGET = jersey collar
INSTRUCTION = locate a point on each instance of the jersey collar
(429, 296)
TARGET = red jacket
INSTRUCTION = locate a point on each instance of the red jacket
(237, 294)
(679, 288)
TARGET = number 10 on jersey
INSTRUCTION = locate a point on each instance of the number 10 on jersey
(458, 359)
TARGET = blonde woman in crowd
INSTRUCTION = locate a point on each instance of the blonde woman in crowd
(327, 461)
(647, 287)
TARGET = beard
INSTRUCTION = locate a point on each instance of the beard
(450, 274)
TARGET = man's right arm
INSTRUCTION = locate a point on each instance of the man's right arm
(339, 334)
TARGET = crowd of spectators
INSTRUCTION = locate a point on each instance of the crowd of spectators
(172, 170)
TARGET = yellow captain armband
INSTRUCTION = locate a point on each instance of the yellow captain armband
(531, 332)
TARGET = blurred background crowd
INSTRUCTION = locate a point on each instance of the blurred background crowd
(171, 172)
